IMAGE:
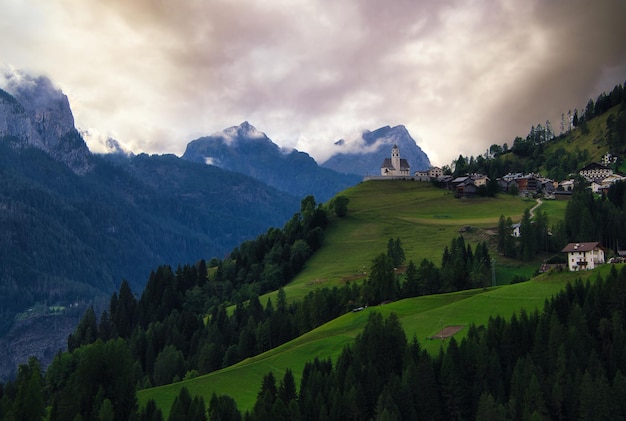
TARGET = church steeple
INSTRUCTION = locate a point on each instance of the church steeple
(395, 158)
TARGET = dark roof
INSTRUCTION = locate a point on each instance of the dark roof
(594, 166)
(572, 247)
(460, 179)
(404, 164)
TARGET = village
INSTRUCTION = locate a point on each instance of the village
(599, 175)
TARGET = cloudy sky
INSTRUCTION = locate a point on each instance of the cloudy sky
(460, 75)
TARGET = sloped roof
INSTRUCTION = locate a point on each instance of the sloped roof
(574, 247)
(387, 164)
(594, 166)
(404, 164)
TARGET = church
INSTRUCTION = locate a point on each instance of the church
(395, 166)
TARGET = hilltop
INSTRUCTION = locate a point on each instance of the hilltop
(365, 155)
(424, 217)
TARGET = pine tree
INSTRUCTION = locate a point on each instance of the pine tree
(413, 284)
(29, 403)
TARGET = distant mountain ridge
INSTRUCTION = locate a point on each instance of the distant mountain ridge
(377, 144)
(246, 150)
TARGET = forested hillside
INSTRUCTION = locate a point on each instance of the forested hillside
(71, 239)
(565, 362)
(74, 225)
(558, 150)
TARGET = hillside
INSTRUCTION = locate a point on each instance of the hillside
(421, 317)
(596, 131)
(569, 152)
(182, 326)
(426, 219)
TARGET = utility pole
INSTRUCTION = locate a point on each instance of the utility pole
(493, 272)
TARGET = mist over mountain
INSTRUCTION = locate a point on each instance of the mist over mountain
(365, 158)
(75, 224)
(246, 150)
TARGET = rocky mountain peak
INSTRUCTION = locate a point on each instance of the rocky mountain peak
(37, 114)
(364, 156)
(244, 132)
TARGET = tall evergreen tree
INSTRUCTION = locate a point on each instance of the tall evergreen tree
(381, 284)
(29, 402)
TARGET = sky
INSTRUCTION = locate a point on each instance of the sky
(460, 75)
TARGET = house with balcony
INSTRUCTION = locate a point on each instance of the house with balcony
(584, 256)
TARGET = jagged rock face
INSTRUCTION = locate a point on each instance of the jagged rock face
(14, 121)
(34, 113)
(366, 158)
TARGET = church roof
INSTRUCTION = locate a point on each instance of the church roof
(404, 164)
(387, 164)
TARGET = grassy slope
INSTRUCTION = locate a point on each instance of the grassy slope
(421, 317)
(594, 141)
(426, 219)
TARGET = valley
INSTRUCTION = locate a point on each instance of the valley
(379, 210)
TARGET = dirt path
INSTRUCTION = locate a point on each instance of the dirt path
(446, 332)
(532, 210)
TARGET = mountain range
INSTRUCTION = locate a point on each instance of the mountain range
(246, 150)
(75, 223)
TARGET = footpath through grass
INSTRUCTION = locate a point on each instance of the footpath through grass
(421, 317)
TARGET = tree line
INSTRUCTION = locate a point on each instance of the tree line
(566, 362)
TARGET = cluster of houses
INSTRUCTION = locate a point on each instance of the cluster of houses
(580, 256)
(600, 175)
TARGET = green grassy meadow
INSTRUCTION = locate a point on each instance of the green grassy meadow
(425, 218)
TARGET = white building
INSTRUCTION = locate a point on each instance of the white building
(584, 256)
(595, 171)
(395, 165)
(435, 172)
